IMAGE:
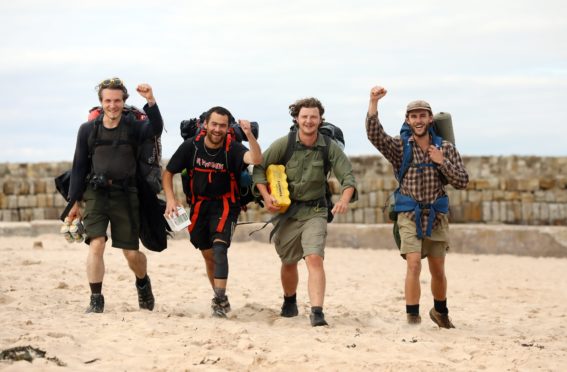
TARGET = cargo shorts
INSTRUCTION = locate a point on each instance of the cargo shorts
(297, 239)
(118, 207)
(435, 245)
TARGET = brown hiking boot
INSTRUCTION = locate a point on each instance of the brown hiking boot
(414, 318)
(442, 320)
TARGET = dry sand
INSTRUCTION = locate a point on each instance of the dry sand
(510, 313)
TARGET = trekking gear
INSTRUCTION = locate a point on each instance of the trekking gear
(194, 128)
(277, 180)
(289, 309)
(219, 307)
(222, 303)
(206, 175)
(145, 296)
(317, 317)
(148, 153)
(442, 320)
(330, 133)
(403, 203)
(96, 304)
(413, 318)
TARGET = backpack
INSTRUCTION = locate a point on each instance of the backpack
(148, 153)
(442, 127)
(192, 128)
(330, 132)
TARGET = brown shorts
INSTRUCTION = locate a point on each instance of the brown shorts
(435, 245)
(297, 239)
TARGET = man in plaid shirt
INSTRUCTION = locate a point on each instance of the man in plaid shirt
(422, 192)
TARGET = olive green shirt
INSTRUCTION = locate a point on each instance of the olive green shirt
(305, 175)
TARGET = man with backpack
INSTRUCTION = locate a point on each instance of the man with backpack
(428, 163)
(214, 160)
(301, 231)
(104, 176)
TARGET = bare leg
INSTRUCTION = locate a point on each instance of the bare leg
(438, 278)
(95, 260)
(316, 281)
(137, 262)
(412, 286)
(290, 278)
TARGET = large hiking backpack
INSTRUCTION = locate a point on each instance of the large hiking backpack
(148, 156)
(193, 127)
(330, 132)
(148, 153)
(441, 129)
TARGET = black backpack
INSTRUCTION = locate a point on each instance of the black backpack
(192, 127)
(148, 153)
(330, 132)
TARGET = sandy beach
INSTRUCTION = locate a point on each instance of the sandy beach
(510, 313)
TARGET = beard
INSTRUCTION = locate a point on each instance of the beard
(215, 140)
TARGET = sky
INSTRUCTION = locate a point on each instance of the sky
(498, 67)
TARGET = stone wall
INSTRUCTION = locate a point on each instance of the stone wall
(503, 189)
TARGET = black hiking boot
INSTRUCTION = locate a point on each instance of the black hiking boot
(145, 296)
(97, 304)
(317, 319)
(219, 307)
(289, 309)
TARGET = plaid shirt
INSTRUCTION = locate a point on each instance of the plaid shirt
(423, 184)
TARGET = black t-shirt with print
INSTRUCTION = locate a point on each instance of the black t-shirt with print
(213, 180)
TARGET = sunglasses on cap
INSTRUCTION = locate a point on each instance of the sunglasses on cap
(114, 82)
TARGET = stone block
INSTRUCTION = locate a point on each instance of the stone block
(372, 199)
(38, 214)
(50, 186)
(359, 215)
(486, 215)
(474, 196)
(26, 214)
(334, 185)
(473, 212)
(495, 211)
(10, 187)
(527, 197)
(487, 183)
(3, 201)
(498, 195)
(512, 196)
(369, 216)
(12, 202)
(23, 201)
(39, 186)
(560, 196)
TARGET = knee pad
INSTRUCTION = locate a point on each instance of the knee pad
(221, 260)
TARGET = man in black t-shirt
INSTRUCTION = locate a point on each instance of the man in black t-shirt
(105, 155)
(214, 161)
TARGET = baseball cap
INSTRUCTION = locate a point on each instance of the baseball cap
(418, 105)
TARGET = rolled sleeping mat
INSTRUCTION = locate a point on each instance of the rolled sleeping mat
(443, 126)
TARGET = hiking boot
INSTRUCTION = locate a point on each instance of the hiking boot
(222, 303)
(414, 318)
(289, 309)
(442, 320)
(97, 304)
(219, 306)
(317, 319)
(145, 296)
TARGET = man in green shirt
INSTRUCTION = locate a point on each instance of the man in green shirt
(302, 233)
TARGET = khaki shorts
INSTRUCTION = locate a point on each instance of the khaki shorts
(435, 245)
(297, 239)
(102, 207)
